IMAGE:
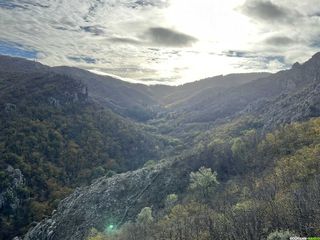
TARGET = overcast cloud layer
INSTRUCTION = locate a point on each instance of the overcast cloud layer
(162, 41)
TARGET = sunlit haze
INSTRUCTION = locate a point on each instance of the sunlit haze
(162, 41)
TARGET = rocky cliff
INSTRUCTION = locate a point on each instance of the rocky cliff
(111, 201)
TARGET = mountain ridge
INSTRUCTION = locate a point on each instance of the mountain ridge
(212, 123)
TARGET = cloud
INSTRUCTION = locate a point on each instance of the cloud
(22, 4)
(84, 59)
(95, 30)
(152, 3)
(266, 10)
(282, 29)
(10, 5)
(158, 40)
(102, 33)
(40, 55)
(237, 54)
(124, 40)
(280, 41)
(168, 37)
(157, 36)
(267, 64)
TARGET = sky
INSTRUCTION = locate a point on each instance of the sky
(162, 41)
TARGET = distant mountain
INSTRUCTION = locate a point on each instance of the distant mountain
(256, 97)
(142, 102)
(130, 100)
(204, 101)
(295, 95)
(135, 101)
(20, 65)
(191, 93)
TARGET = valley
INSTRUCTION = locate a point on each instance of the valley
(82, 152)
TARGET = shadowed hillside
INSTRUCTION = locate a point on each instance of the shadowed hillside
(55, 137)
(193, 160)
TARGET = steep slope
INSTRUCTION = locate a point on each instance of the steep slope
(232, 101)
(135, 101)
(273, 185)
(142, 102)
(14, 64)
(287, 107)
(58, 138)
(297, 102)
(274, 196)
(189, 94)
(115, 199)
(249, 163)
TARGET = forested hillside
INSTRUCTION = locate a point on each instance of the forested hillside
(228, 157)
(271, 191)
(53, 138)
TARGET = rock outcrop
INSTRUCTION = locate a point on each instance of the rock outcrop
(111, 201)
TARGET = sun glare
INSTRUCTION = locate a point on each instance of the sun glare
(215, 21)
(218, 26)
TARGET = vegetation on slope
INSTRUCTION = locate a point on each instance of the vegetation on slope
(59, 139)
(262, 185)
(274, 194)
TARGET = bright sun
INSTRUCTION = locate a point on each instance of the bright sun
(219, 27)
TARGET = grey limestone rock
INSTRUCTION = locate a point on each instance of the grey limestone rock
(110, 201)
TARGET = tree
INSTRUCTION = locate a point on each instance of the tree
(143, 224)
(96, 235)
(145, 216)
(171, 200)
(203, 183)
